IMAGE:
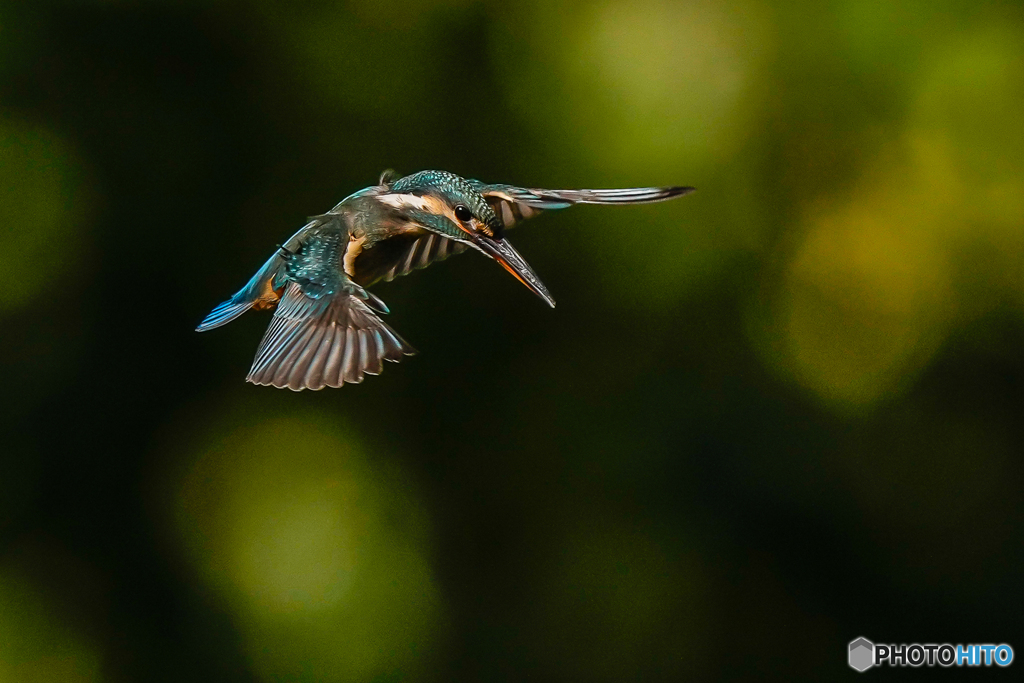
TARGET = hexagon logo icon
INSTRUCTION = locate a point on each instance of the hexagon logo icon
(862, 654)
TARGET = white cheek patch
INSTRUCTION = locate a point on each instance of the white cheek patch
(406, 201)
(427, 203)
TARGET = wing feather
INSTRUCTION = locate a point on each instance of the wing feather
(400, 255)
(312, 343)
(515, 204)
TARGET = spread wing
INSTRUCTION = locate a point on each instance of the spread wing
(403, 253)
(326, 330)
(514, 204)
(327, 341)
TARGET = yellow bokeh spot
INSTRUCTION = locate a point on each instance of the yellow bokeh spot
(318, 549)
(37, 644)
(40, 201)
(668, 79)
(968, 97)
(932, 236)
(866, 295)
(637, 86)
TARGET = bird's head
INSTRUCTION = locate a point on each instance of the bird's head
(451, 206)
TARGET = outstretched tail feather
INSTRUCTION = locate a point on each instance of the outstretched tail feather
(223, 314)
(327, 342)
(260, 289)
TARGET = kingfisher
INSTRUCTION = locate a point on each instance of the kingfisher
(326, 330)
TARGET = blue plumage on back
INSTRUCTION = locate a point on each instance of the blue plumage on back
(326, 329)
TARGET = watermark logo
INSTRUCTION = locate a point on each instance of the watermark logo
(863, 654)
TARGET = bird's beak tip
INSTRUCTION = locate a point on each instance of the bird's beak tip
(503, 252)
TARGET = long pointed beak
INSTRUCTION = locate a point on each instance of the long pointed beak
(501, 251)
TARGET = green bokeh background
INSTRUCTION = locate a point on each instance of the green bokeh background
(769, 418)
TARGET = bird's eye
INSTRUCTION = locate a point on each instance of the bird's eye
(462, 213)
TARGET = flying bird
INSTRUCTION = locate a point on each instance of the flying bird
(326, 328)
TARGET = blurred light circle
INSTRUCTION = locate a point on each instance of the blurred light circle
(319, 550)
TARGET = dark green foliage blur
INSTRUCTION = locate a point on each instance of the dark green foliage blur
(764, 420)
